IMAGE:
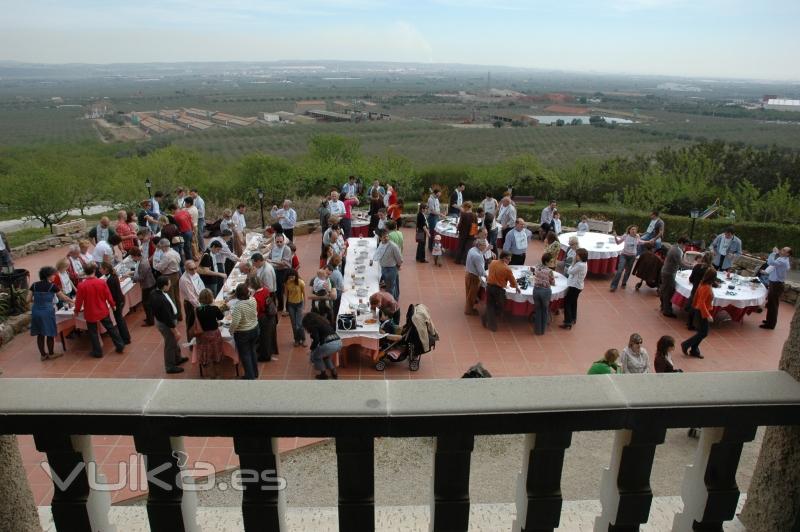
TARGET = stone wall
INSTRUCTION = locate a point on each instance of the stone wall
(43, 244)
(12, 326)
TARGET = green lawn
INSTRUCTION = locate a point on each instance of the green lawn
(23, 236)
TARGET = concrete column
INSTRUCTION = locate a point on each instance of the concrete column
(17, 507)
(773, 500)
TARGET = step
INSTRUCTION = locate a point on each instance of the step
(575, 516)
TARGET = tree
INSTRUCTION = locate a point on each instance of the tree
(334, 149)
(581, 181)
(39, 192)
(560, 122)
(277, 177)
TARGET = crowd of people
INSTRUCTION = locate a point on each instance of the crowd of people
(181, 264)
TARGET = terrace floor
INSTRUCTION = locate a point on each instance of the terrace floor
(605, 320)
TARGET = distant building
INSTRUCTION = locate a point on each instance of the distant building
(303, 106)
(99, 109)
(271, 117)
(329, 116)
(232, 120)
(782, 104)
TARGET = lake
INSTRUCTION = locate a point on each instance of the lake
(552, 119)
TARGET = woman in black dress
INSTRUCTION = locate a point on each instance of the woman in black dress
(43, 311)
(119, 300)
(423, 232)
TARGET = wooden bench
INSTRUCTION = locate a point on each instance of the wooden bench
(523, 200)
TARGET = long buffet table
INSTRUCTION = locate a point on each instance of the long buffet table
(360, 281)
(67, 321)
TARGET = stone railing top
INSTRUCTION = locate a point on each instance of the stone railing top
(425, 407)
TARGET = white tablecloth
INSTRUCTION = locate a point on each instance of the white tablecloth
(558, 291)
(590, 242)
(748, 294)
(371, 283)
(447, 227)
(254, 241)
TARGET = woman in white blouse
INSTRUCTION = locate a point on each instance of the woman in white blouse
(634, 358)
(576, 275)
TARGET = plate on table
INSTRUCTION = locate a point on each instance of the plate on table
(361, 268)
(362, 292)
(362, 242)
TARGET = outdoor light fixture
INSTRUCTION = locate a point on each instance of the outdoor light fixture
(260, 194)
(694, 214)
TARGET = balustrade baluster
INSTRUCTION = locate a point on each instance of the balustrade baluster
(65, 456)
(625, 488)
(165, 497)
(355, 461)
(263, 499)
(710, 493)
(450, 511)
(539, 483)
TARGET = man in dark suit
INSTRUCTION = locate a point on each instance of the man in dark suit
(456, 199)
(166, 314)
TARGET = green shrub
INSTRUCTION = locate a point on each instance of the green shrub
(756, 237)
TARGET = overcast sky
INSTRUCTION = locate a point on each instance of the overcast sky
(713, 38)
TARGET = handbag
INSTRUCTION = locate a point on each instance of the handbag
(272, 308)
(346, 322)
(196, 330)
(421, 236)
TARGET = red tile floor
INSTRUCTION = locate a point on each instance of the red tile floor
(606, 320)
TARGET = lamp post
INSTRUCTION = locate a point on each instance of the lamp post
(260, 193)
(149, 185)
(695, 214)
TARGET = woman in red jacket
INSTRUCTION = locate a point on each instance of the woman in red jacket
(703, 310)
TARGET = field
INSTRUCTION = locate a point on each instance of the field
(428, 143)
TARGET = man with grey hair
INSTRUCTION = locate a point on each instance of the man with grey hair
(168, 264)
(191, 284)
(287, 217)
(76, 266)
(475, 269)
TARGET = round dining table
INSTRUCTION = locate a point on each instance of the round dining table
(603, 250)
(746, 296)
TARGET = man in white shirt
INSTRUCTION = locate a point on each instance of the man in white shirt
(507, 216)
(516, 242)
(434, 212)
(104, 250)
(200, 205)
(546, 219)
(264, 271)
(489, 205)
(350, 188)
(335, 205)
(286, 216)
(280, 257)
(239, 225)
(376, 186)
(191, 284)
(167, 262)
(180, 196)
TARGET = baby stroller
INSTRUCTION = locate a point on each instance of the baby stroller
(416, 337)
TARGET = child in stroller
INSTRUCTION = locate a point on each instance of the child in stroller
(416, 337)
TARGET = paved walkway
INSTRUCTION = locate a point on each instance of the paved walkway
(576, 516)
(605, 320)
(10, 226)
